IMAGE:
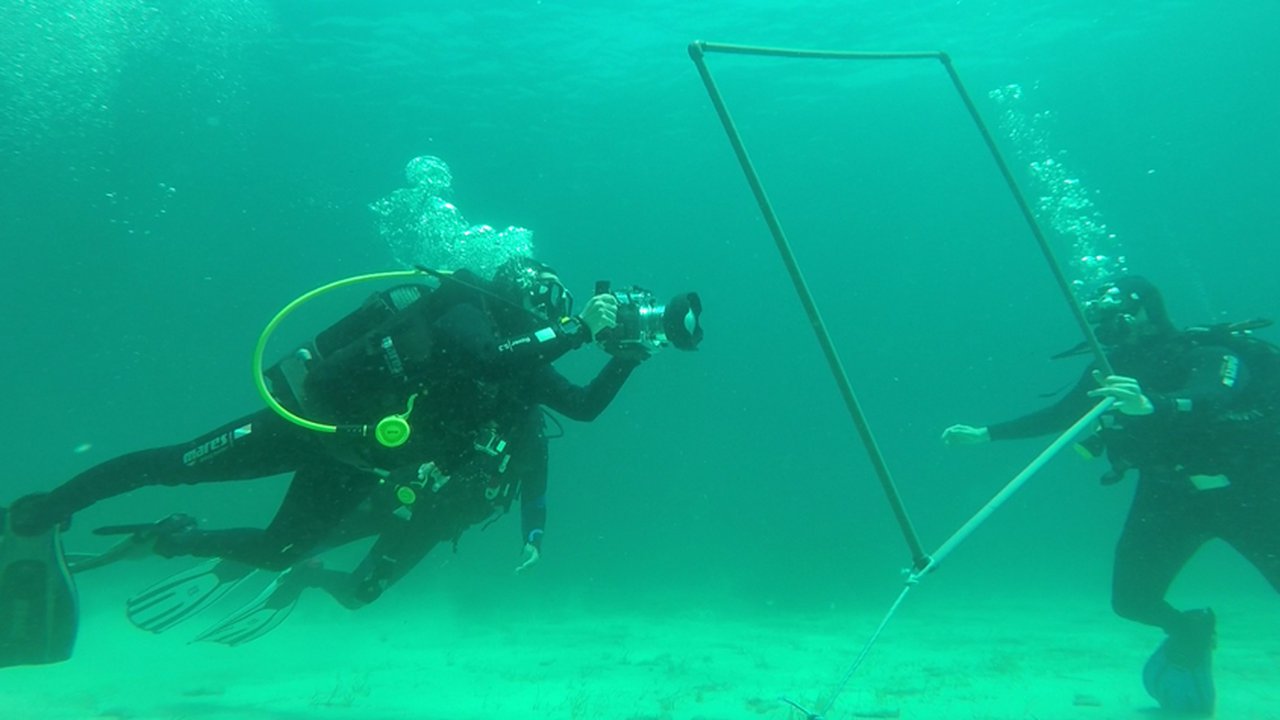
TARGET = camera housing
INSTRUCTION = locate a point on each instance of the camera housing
(644, 322)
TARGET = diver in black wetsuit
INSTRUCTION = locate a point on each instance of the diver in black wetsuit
(459, 375)
(482, 368)
(422, 505)
(1197, 415)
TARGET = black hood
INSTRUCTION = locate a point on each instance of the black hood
(1113, 308)
(1139, 293)
(511, 287)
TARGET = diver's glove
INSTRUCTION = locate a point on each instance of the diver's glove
(965, 435)
(1126, 391)
(601, 312)
(529, 558)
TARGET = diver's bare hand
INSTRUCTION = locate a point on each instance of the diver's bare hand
(1126, 391)
(531, 557)
(965, 435)
(601, 312)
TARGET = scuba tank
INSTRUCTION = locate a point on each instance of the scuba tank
(360, 368)
(372, 362)
(356, 367)
(307, 379)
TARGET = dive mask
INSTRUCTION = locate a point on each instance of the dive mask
(550, 297)
(1113, 314)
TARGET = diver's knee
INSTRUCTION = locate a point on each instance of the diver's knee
(1124, 607)
(277, 562)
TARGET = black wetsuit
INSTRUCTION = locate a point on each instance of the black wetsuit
(468, 376)
(1208, 462)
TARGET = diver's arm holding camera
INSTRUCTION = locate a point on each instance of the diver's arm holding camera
(601, 312)
(584, 403)
(548, 343)
(472, 340)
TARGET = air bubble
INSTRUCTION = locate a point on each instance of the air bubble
(1063, 203)
(423, 227)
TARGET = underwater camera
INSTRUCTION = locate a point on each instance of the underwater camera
(642, 321)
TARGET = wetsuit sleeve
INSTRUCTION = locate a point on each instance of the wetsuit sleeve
(544, 345)
(469, 333)
(1217, 378)
(1055, 418)
(583, 403)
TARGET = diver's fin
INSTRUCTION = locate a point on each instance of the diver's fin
(1183, 690)
(1179, 674)
(261, 615)
(180, 596)
(39, 608)
(141, 542)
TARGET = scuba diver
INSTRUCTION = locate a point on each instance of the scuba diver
(1196, 415)
(407, 526)
(467, 365)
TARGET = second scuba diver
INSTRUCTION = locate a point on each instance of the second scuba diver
(1197, 416)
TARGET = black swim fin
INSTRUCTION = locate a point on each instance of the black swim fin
(180, 596)
(1179, 674)
(265, 612)
(39, 608)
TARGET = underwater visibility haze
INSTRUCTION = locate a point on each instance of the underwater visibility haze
(173, 173)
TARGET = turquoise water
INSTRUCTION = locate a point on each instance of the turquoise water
(174, 172)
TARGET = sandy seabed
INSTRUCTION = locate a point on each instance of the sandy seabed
(969, 657)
